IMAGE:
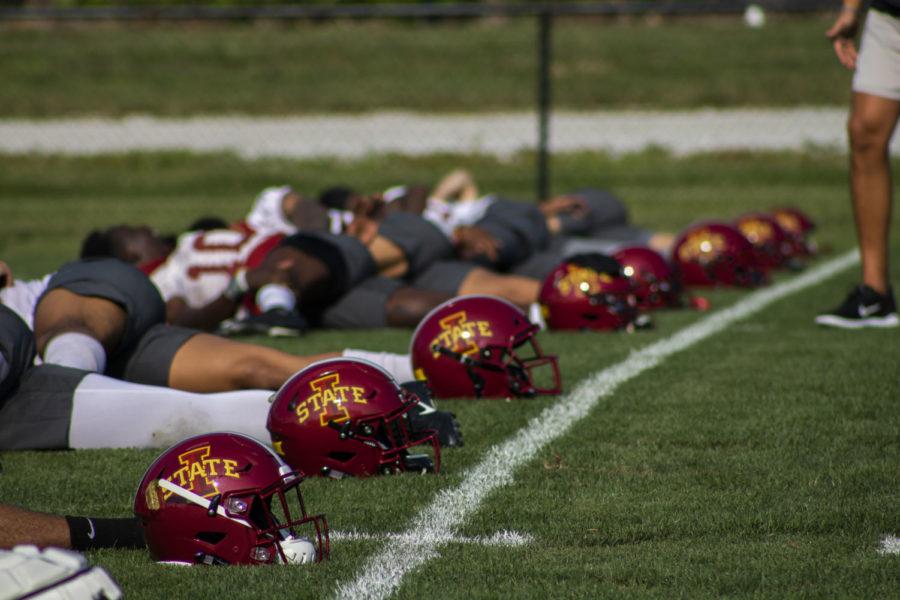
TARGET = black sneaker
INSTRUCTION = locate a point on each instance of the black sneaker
(864, 307)
(277, 322)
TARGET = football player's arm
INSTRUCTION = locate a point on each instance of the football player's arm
(205, 318)
(6, 276)
(458, 185)
(20, 526)
(842, 33)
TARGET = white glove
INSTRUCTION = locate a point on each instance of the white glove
(52, 574)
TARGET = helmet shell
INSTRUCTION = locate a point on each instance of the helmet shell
(345, 416)
(481, 346)
(226, 513)
(716, 253)
(799, 228)
(770, 242)
(655, 283)
(584, 293)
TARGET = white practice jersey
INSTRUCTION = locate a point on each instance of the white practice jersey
(447, 215)
(266, 214)
(200, 267)
(22, 297)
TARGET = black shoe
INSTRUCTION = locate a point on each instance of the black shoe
(277, 322)
(864, 307)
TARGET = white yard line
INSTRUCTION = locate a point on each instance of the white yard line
(437, 523)
(890, 545)
(501, 538)
(498, 134)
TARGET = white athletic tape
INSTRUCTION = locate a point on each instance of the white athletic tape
(501, 538)
(436, 524)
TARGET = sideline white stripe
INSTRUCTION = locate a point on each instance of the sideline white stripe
(436, 524)
(501, 538)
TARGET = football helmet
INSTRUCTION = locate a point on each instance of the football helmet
(481, 346)
(588, 291)
(347, 416)
(770, 242)
(222, 498)
(799, 229)
(715, 253)
(655, 283)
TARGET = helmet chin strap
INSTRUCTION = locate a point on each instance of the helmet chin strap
(197, 499)
(469, 364)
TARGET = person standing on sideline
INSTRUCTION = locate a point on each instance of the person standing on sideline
(875, 108)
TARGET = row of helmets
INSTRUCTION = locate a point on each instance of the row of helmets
(225, 498)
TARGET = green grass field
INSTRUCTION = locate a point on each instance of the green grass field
(760, 463)
(272, 69)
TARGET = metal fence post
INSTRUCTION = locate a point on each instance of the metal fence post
(545, 25)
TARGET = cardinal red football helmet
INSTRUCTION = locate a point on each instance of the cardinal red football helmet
(714, 253)
(799, 229)
(347, 416)
(770, 241)
(222, 498)
(588, 291)
(481, 346)
(655, 283)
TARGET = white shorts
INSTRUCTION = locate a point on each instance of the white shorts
(878, 64)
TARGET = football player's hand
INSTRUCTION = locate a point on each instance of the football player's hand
(563, 204)
(842, 34)
(371, 206)
(26, 571)
(270, 272)
(6, 276)
(473, 241)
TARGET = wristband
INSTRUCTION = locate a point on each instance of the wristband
(237, 286)
(89, 533)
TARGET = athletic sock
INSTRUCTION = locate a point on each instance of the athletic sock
(274, 295)
(398, 365)
(108, 413)
(76, 350)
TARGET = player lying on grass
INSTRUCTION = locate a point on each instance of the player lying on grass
(334, 279)
(510, 236)
(422, 252)
(105, 316)
(53, 406)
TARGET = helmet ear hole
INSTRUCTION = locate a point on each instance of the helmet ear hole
(209, 537)
(341, 457)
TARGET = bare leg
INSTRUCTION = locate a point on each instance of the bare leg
(207, 363)
(519, 290)
(871, 125)
(62, 311)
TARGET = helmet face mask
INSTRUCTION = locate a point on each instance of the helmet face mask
(482, 346)
(347, 417)
(224, 498)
